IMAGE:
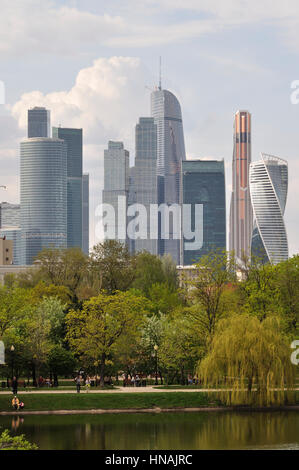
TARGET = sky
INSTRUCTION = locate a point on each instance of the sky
(94, 63)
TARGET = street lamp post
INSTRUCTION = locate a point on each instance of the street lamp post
(156, 347)
(12, 350)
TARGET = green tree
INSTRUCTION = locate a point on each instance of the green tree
(170, 272)
(259, 289)
(112, 266)
(288, 293)
(206, 292)
(67, 268)
(94, 331)
(61, 362)
(163, 299)
(149, 271)
(180, 348)
(8, 442)
(250, 357)
(12, 302)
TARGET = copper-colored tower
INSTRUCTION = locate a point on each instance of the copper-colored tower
(240, 210)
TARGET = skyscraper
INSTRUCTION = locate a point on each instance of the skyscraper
(38, 122)
(166, 111)
(116, 190)
(240, 209)
(43, 183)
(73, 139)
(203, 184)
(268, 189)
(85, 214)
(145, 176)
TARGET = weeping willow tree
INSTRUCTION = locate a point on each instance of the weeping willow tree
(250, 361)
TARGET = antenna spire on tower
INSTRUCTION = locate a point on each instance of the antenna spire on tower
(160, 74)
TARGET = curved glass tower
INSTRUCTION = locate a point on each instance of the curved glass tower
(166, 111)
(43, 182)
(268, 189)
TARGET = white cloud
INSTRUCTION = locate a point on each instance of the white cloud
(30, 26)
(106, 100)
(34, 26)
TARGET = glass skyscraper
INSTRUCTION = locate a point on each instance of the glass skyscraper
(166, 111)
(240, 229)
(144, 177)
(73, 139)
(116, 190)
(85, 214)
(38, 122)
(43, 183)
(268, 190)
(203, 184)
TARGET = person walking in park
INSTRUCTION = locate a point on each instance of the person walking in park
(14, 386)
(78, 383)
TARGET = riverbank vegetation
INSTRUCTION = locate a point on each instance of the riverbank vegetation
(113, 314)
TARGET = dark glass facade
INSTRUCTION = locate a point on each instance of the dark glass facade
(73, 139)
(38, 122)
(85, 214)
(203, 183)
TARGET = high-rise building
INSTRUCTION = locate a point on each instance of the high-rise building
(9, 214)
(43, 184)
(240, 209)
(145, 178)
(85, 214)
(268, 190)
(166, 111)
(38, 122)
(73, 139)
(116, 190)
(203, 190)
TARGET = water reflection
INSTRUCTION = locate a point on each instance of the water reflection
(205, 430)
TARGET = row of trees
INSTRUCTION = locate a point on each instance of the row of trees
(113, 312)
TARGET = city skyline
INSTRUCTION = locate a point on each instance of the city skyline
(205, 69)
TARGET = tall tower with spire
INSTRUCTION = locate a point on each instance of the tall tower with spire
(240, 209)
(166, 111)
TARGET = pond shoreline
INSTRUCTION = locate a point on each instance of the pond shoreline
(151, 410)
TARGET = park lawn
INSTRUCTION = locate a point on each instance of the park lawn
(85, 401)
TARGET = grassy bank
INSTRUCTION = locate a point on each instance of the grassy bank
(50, 402)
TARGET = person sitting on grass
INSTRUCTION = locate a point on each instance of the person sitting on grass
(15, 403)
(21, 405)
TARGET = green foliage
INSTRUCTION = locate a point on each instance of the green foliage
(94, 331)
(66, 268)
(113, 266)
(213, 273)
(251, 359)
(7, 442)
(149, 271)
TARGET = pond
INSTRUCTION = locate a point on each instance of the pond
(167, 431)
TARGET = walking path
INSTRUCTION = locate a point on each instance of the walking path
(149, 389)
